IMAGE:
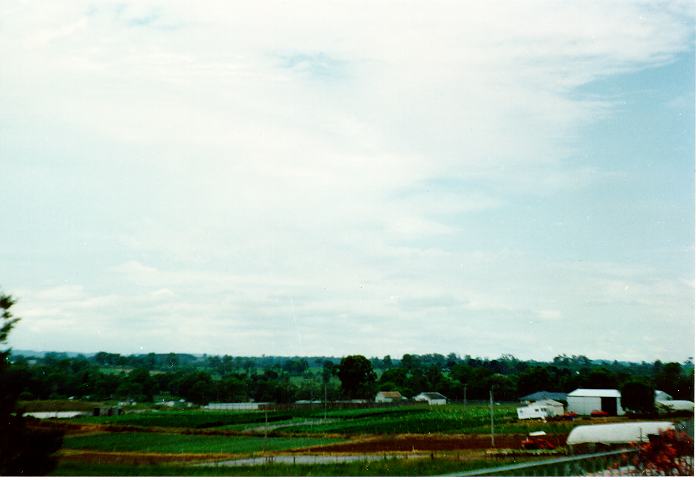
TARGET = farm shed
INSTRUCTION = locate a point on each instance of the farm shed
(540, 409)
(675, 405)
(433, 398)
(584, 401)
(544, 395)
(388, 397)
(613, 433)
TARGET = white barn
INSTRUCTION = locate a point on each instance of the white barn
(584, 401)
(433, 398)
(541, 409)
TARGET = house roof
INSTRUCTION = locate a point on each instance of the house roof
(542, 395)
(432, 395)
(595, 392)
(390, 394)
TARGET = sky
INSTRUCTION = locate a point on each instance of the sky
(334, 178)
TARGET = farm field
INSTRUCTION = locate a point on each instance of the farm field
(181, 443)
(347, 442)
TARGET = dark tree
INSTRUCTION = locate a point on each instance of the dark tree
(23, 450)
(638, 396)
(357, 377)
(667, 378)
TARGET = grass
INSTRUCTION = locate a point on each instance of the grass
(178, 443)
(391, 467)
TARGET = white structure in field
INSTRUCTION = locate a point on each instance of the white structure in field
(433, 398)
(388, 397)
(42, 415)
(541, 409)
(236, 406)
(675, 405)
(584, 401)
(620, 433)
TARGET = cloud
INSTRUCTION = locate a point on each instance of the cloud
(315, 169)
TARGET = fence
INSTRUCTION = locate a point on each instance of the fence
(606, 464)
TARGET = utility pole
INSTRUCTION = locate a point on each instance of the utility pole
(465, 393)
(492, 427)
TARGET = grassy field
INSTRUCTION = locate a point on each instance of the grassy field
(371, 420)
(444, 419)
(178, 443)
(167, 450)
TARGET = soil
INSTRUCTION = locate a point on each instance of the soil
(429, 443)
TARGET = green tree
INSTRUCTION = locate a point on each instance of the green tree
(357, 377)
(23, 450)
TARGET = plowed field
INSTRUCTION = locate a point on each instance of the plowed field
(428, 443)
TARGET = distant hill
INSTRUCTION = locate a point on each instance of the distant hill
(41, 354)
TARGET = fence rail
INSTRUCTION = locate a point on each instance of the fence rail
(612, 463)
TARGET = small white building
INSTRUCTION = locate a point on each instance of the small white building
(540, 410)
(388, 397)
(584, 401)
(433, 398)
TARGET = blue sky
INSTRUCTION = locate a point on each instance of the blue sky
(267, 178)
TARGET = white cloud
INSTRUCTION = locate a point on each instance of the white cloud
(281, 164)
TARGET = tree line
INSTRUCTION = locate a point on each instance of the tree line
(211, 378)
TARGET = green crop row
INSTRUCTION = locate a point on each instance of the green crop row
(437, 420)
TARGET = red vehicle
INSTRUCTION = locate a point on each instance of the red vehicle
(599, 413)
(537, 441)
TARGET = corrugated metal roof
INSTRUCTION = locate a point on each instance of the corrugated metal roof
(544, 395)
(433, 395)
(595, 392)
(390, 394)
